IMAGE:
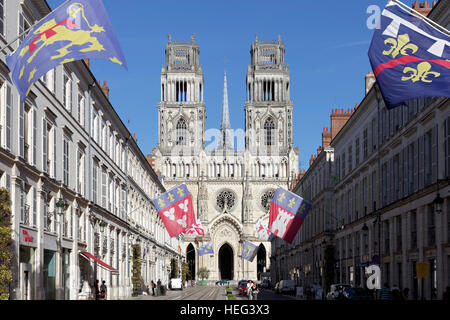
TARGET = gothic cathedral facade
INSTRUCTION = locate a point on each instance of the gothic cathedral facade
(231, 189)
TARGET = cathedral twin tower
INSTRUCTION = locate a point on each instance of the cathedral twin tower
(231, 188)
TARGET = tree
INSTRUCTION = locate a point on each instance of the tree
(329, 266)
(136, 277)
(174, 268)
(5, 244)
(203, 273)
(185, 272)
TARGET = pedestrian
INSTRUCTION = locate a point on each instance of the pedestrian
(405, 294)
(103, 290)
(153, 288)
(395, 293)
(96, 290)
(446, 295)
(255, 291)
(249, 289)
(385, 292)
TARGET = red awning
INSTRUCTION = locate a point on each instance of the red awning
(103, 264)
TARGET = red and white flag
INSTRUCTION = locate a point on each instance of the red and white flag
(176, 210)
(196, 229)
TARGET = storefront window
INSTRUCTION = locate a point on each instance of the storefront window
(49, 272)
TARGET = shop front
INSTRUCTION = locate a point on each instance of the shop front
(27, 261)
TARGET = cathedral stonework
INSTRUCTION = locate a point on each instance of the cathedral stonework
(231, 189)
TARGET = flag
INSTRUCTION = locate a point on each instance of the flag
(196, 229)
(409, 57)
(249, 251)
(207, 248)
(262, 230)
(179, 249)
(176, 210)
(145, 251)
(79, 29)
(287, 213)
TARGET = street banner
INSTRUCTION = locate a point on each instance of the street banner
(287, 213)
(176, 210)
(196, 229)
(422, 270)
(262, 230)
(409, 56)
(205, 249)
(78, 29)
(249, 251)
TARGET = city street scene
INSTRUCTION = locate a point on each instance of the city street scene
(225, 151)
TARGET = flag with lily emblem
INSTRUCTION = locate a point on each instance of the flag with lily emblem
(176, 210)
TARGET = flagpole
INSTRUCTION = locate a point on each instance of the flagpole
(29, 29)
(424, 17)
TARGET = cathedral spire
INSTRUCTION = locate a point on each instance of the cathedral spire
(225, 128)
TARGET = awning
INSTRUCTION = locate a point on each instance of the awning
(100, 262)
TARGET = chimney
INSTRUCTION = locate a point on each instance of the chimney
(134, 137)
(370, 80)
(326, 138)
(339, 118)
(105, 89)
(424, 8)
(88, 62)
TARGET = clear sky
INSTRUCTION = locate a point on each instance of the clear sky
(326, 49)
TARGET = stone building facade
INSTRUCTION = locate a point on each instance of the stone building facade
(231, 188)
(79, 183)
(377, 199)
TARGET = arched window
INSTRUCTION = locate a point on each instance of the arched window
(181, 132)
(269, 132)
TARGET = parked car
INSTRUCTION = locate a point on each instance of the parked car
(335, 290)
(239, 283)
(357, 294)
(286, 286)
(222, 282)
(175, 284)
(243, 287)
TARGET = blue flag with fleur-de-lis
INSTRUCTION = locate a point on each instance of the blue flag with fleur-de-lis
(78, 29)
(409, 56)
(205, 249)
(249, 251)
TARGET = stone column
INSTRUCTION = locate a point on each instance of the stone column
(39, 293)
(74, 257)
(15, 195)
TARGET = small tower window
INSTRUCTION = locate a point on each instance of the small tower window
(269, 128)
(181, 132)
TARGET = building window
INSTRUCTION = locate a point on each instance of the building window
(7, 112)
(399, 234)
(24, 25)
(374, 190)
(181, 132)
(81, 106)
(104, 187)
(413, 230)
(67, 89)
(66, 157)
(2, 18)
(269, 132)
(94, 181)
(386, 238)
(49, 148)
(431, 226)
(343, 165)
(80, 172)
(447, 146)
(357, 152)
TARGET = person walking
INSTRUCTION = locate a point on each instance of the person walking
(153, 288)
(385, 292)
(249, 289)
(255, 291)
(103, 290)
(405, 294)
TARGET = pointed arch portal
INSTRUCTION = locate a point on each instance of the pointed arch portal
(261, 259)
(226, 262)
(190, 258)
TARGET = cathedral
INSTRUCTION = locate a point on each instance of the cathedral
(231, 189)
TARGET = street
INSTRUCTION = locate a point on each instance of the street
(190, 293)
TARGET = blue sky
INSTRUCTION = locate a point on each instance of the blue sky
(326, 49)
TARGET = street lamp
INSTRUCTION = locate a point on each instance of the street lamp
(438, 201)
(365, 228)
(102, 226)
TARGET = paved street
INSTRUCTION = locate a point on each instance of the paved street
(190, 293)
(264, 294)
